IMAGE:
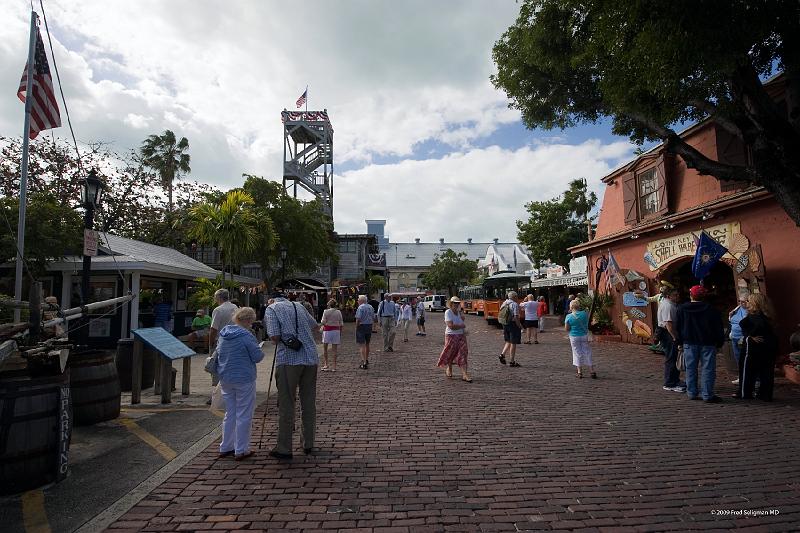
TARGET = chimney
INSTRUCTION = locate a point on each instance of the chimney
(469, 240)
(441, 240)
(416, 240)
(496, 240)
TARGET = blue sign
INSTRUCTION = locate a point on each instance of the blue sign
(629, 299)
(163, 342)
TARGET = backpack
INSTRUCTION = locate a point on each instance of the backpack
(504, 315)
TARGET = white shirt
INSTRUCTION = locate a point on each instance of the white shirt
(450, 316)
(667, 312)
(420, 310)
(531, 310)
(405, 312)
(222, 315)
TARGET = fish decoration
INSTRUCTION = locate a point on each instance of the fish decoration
(628, 322)
(632, 276)
(742, 263)
(650, 260)
(637, 313)
(640, 329)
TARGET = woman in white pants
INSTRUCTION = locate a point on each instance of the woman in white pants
(237, 355)
(405, 319)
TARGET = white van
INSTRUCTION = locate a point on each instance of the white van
(436, 302)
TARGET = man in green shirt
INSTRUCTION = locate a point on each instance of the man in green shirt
(201, 325)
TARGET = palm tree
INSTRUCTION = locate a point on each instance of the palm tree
(230, 226)
(166, 156)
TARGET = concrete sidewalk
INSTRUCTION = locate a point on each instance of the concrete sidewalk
(404, 449)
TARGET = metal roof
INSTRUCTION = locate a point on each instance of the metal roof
(119, 253)
(413, 254)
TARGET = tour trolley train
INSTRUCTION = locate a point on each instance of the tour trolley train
(485, 299)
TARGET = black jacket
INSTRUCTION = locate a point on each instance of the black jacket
(758, 325)
(699, 323)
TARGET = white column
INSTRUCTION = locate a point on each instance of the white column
(124, 330)
(135, 302)
(66, 290)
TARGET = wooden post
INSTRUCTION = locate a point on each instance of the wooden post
(136, 372)
(166, 380)
(187, 373)
(157, 373)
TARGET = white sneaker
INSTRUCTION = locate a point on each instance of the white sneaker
(735, 381)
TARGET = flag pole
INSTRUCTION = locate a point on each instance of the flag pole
(306, 98)
(23, 180)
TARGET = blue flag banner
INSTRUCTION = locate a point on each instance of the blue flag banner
(708, 254)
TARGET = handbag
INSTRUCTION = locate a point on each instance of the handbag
(212, 363)
(217, 401)
(291, 341)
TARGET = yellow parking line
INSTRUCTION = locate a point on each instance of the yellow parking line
(166, 452)
(34, 516)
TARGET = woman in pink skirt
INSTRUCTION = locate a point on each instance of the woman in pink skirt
(455, 341)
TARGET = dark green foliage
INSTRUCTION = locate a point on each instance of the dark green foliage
(449, 270)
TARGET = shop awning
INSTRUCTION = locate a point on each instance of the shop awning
(570, 280)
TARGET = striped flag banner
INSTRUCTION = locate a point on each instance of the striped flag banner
(302, 100)
(44, 108)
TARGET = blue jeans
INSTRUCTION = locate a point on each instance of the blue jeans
(706, 357)
(735, 350)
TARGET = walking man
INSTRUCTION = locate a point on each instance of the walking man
(365, 315)
(700, 333)
(387, 314)
(420, 318)
(665, 333)
(294, 368)
(221, 316)
(512, 330)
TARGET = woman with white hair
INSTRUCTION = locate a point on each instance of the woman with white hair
(455, 341)
(237, 355)
(577, 326)
(332, 323)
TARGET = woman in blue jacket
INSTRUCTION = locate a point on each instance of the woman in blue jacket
(237, 355)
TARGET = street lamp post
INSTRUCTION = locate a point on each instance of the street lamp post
(284, 253)
(91, 193)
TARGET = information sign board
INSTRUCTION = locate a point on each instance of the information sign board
(163, 342)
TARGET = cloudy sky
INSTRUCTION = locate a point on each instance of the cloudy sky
(422, 139)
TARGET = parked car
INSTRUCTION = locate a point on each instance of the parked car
(435, 302)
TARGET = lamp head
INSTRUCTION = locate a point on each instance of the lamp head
(91, 190)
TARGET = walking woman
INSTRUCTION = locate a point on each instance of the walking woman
(530, 320)
(332, 323)
(577, 325)
(455, 341)
(237, 355)
(757, 360)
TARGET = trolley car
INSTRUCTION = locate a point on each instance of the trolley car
(486, 299)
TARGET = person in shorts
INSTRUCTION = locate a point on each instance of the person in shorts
(420, 318)
(332, 323)
(512, 332)
(365, 315)
(531, 320)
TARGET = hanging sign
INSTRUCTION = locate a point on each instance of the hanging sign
(90, 238)
(629, 299)
(662, 251)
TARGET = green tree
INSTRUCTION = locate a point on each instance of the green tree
(167, 156)
(652, 65)
(449, 270)
(299, 226)
(52, 231)
(377, 283)
(230, 226)
(556, 225)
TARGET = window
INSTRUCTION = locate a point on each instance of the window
(347, 246)
(644, 192)
(648, 193)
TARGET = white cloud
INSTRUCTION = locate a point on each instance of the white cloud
(392, 75)
(478, 193)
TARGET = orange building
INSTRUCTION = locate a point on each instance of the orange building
(653, 209)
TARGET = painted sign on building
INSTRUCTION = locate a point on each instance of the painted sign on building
(662, 251)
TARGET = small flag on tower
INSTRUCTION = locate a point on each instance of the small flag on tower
(44, 108)
(302, 100)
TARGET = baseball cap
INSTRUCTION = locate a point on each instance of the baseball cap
(697, 291)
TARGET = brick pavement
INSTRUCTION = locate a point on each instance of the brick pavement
(402, 449)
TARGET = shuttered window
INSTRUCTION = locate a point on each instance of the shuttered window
(644, 192)
(731, 150)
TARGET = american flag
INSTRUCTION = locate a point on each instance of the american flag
(44, 108)
(302, 100)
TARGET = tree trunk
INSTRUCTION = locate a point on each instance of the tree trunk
(787, 194)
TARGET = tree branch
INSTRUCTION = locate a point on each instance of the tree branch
(674, 144)
(713, 112)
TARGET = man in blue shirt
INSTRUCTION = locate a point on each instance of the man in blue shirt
(387, 315)
(293, 369)
(365, 315)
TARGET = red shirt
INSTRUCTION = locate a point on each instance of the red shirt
(542, 309)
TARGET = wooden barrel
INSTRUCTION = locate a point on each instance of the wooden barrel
(35, 431)
(95, 386)
(124, 360)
